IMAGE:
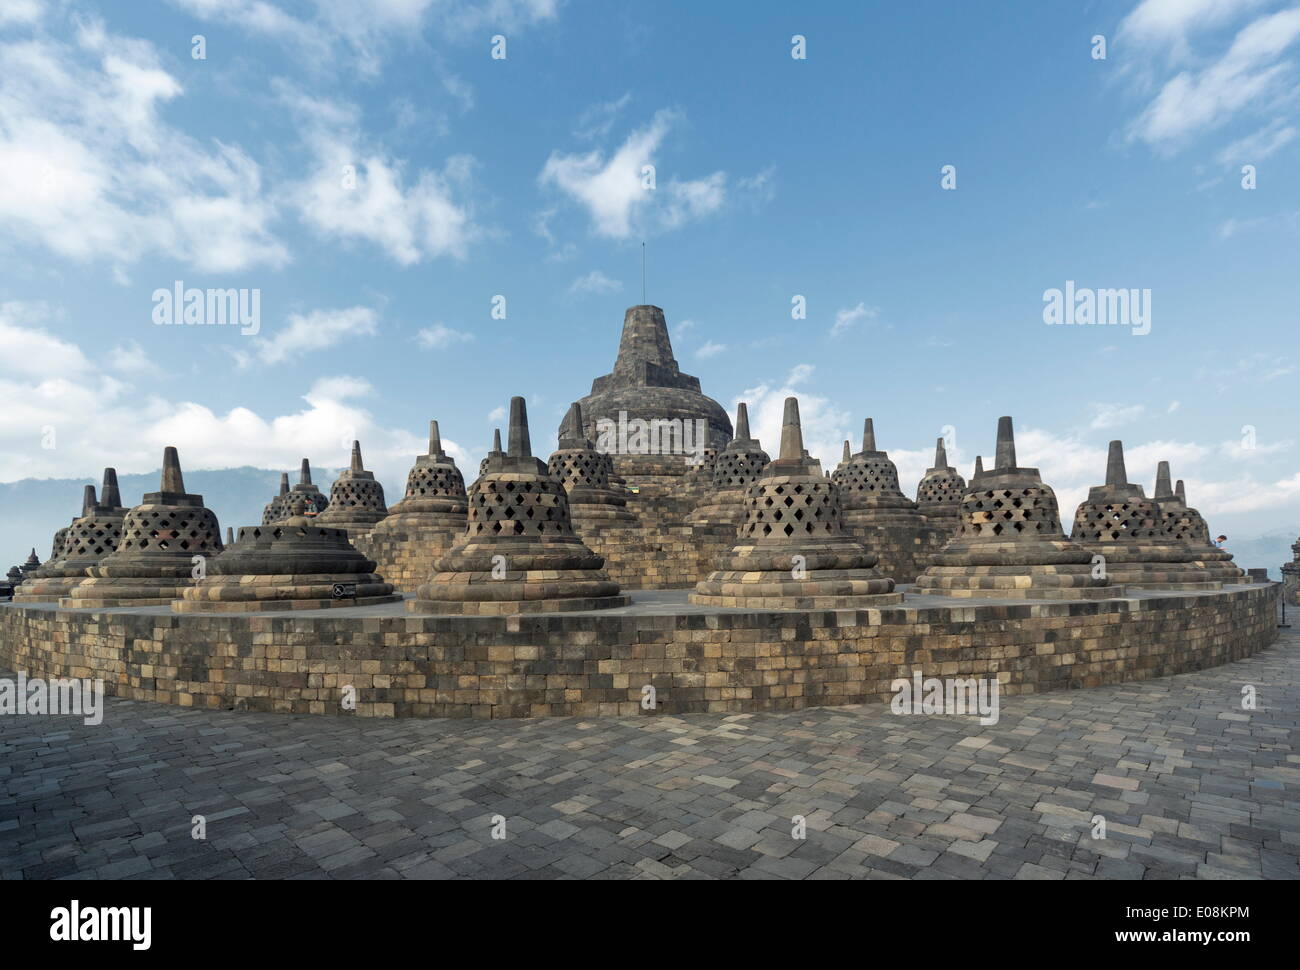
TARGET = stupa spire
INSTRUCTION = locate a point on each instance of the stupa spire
(88, 500)
(868, 435)
(644, 339)
(792, 432)
(172, 481)
(742, 421)
(435, 439)
(1006, 453)
(356, 465)
(848, 452)
(1115, 473)
(1181, 492)
(520, 445)
(1162, 481)
(496, 441)
(940, 454)
(304, 476)
(284, 483)
(110, 495)
(979, 464)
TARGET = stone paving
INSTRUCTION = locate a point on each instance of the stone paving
(1189, 784)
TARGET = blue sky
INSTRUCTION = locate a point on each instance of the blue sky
(126, 164)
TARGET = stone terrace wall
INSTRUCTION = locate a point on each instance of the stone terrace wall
(591, 664)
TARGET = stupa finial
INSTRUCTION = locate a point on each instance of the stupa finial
(848, 452)
(1115, 473)
(111, 496)
(572, 427)
(868, 435)
(496, 440)
(304, 476)
(1006, 453)
(742, 422)
(1181, 492)
(520, 445)
(1162, 481)
(979, 464)
(172, 481)
(356, 457)
(88, 500)
(435, 439)
(791, 432)
(284, 483)
(940, 454)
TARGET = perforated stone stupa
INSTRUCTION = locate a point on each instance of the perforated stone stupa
(1186, 525)
(32, 564)
(356, 502)
(422, 526)
(1009, 543)
(35, 583)
(89, 539)
(583, 472)
(519, 553)
(153, 560)
(275, 509)
(1119, 523)
(738, 466)
(938, 494)
(297, 564)
(792, 551)
(647, 385)
(312, 496)
(496, 452)
(878, 513)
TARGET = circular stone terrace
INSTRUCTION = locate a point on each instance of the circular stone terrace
(697, 659)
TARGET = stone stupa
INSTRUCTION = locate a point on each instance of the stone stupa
(58, 546)
(1119, 523)
(296, 564)
(792, 551)
(32, 564)
(647, 385)
(878, 513)
(582, 471)
(1188, 526)
(496, 452)
(275, 509)
(422, 526)
(738, 466)
(314, 498)
(938, 494)
(519, 553)
(1009, 543)
(90, 538)
(846, 456)
(154, 560)
(356, 502)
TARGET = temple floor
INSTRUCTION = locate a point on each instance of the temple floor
(1189, 784)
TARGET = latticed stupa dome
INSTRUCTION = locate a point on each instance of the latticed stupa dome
(1009, 541)
(435, 492)
(1119, 523)
(869, 479)
(938, 494)
(583, 471)
(737, 467)
(1186, 525)
(276, 509)
(155, 557)
(356, 502)
(314, 499)
(792, 550)
(647, 385)
(294, 564)
(89, 539)
(519, 552)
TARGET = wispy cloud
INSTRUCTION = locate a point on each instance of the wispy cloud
(440, 337)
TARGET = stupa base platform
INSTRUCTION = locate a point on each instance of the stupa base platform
(48, 590)
(405, 556)
(514, 607)
(251, 594)
(102, 593)
(778, 601)
(697, 658)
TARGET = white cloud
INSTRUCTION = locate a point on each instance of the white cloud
(1260, 145)
(497, 414)
(1173, 406)
(710, 349)
(20, 12)
(440, 337)
(132, 359)
(823, 423)
(357, 193)
(847, 319)
(1114, 415)
(1168, 23)
(595, 282)
(597, 121)
(309, 332)
(94, 172)
(614, 194)
(682, 329)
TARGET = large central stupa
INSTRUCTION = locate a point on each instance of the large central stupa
(647, 386)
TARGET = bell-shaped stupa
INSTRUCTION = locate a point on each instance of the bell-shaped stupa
(1128, 531)
(738, 466)
(1188, 526)
(646, 413)
(938, 494)
(496, 452)
(846, 456)
(313, 497)
(156, 556)
(89, 539)
(792, 551)
(878, 513)
(1009, 543)
(59, 547)
(275, 509)
(32, 564)
(519, 552)
(356, 500)
(296, 564)
(583, 472)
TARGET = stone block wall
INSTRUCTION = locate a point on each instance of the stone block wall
(593, 664)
